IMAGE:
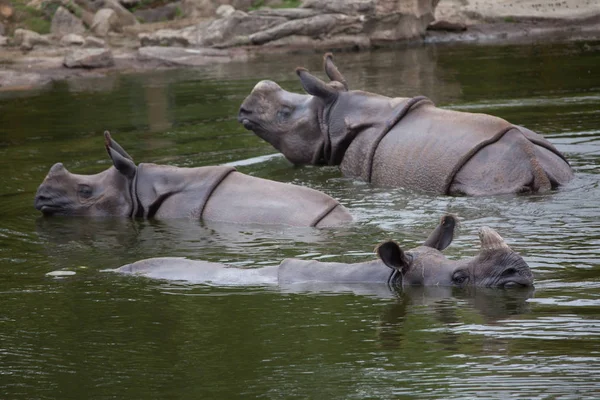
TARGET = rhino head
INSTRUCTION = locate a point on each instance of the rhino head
(496, 265)
(108, 193)
(301, 126)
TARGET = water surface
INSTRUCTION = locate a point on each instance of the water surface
(99, 335)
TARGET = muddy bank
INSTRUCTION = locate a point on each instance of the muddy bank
(29, 60)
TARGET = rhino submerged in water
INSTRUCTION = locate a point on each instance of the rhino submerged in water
(217, 193)
(496, 265)
(401, 142)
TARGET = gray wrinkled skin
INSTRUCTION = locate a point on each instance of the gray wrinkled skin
(495, 266)
(216, 193)
(426, 148)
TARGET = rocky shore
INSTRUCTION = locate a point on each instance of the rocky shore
(97, 38)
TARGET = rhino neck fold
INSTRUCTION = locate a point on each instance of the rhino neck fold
(362, 139)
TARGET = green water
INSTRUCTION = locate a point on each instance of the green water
(97, 335)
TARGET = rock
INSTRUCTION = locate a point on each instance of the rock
(13, 80)
(126, 18)
(72, 39)
(164, 13)
(89, 58)
(170, 37)
(348, 7)
(27, 40)
(60, 273)
(63, 23)
(354, 42)
(224, 11)
(317, 26)
(93, 42)
(6, 11)
(288, 13)
(105, 20)
(3, 40)
(173, 56)
(2, 29)
(198, 8)
(447, 26)
(223, 31)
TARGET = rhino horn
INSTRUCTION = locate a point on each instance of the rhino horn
(316, 87)
(332, 72)
(491, 240)
(122, 162)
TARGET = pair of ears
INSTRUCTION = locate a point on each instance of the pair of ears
(122, 161)
(392, 255)
(316, 87)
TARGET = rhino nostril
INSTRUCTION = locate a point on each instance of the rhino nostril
(244, 110)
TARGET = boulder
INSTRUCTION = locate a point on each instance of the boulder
(105, 20)
(164, 13)
(10, 79)
(2, 29)
(27, 40)
(126, 18)
(3, 41)
(348, 7)
(225, 31)
(170, 37)
(63, 23)
(89, 58)
(447, 26)
(317, 26)
(129, 3)
(93, 42)
(72, 39)
(198, 8)
(224, 11)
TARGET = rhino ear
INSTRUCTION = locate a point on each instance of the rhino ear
(316, 87)
(332, 72)
(392, 255)
(442, 235)
(110, 142)
(123, 163)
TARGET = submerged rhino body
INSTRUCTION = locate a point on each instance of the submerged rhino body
(401, 142)
(217, 193)
(495, 266)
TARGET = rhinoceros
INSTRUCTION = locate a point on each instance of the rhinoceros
(495, 266)
(401, 142)
(217, 193)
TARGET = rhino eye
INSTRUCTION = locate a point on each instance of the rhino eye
(460, 278)
(84, 191)
(284, 112)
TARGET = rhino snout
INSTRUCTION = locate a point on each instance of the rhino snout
(243, 118)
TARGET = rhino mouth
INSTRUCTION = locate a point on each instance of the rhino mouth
(244, 119)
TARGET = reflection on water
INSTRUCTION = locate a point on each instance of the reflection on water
(98, 335)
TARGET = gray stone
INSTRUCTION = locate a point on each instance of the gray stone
(126, 18)
(224, 11)
(348, 7)
(27, 40)
(198, 8)
(93, 42)
(72, 40)
(105, 20)
(63, 23)
(22, 80)
(89, 58)
(3, 40)
(317, 26)
(129, 3)
(223, 31)
(447, 26)
(288, 13)
(2, 29)
(165, 13)
(170, 37)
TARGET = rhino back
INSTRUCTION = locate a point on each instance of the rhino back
(429, 145)
(298, 271)
(245, 199)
